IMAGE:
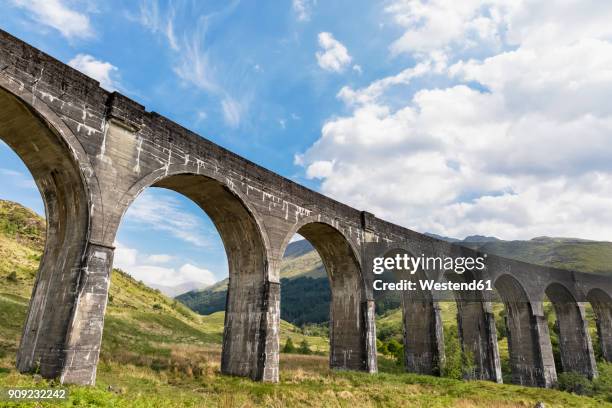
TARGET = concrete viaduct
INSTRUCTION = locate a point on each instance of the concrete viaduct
(92, 152)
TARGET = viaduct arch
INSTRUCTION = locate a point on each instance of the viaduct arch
(92, 152)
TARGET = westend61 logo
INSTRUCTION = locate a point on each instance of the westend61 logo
(410, 264)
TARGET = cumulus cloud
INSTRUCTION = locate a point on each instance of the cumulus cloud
(333, 55)
(58, 15)
(103, 72)
(515, 144)
(152, 269)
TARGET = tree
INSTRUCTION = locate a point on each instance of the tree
(289, 347)
(304, 347)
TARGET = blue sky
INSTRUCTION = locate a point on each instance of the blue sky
(473, 117)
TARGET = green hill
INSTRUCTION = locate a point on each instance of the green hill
(140, 321)
(158, 353)
(304, 281)
(565, 253)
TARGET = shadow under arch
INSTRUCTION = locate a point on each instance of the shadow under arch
(602, 307)
(422, 323)
(350, 341)
(531, 358)
(574, 340)
(57, 163)
(252, 301)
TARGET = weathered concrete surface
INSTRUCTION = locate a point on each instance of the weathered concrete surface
(602, 306)
(92, 153)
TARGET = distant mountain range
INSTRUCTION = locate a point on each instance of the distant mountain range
(566, 253)
(176, 290)
(304, 280)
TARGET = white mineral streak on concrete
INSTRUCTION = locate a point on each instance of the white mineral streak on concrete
(138, 150)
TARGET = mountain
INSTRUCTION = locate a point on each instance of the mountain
(304, 280)
(172, 291)
(565, 253)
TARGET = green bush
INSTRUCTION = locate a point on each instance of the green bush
(452, 351)
(12, 277)
(576, 383)
(289, 347)
(304, 347)
(381, 347)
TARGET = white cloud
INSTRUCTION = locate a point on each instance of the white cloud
(18, 179)
(103, 72)
(159, 22)
(302, 9)
(58, 15)
(334, 56)
(192, 60)
(147, 269)
(435, 25)
(516, 143)
(232, 111)
(320, 169)
(192, 273)
(162, 213)
(160, 258)
(194, 65)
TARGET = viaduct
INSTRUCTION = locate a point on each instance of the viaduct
(92, 152)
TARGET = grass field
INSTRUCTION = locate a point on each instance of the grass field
(158, 353)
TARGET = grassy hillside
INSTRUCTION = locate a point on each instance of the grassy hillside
(565, 253)
(304, 281)
(158, 353)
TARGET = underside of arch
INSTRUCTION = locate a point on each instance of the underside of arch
(574, 340)
(349, 309)
(422, 325)
(602, 307)
(477, 332)
(45, 338)
(252, 301)
(531, 357)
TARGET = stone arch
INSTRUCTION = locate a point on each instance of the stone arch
(352, 335)
(531, 358)
(477, 330)
(574, 339)
(422, 324)
(602, 307)
(64, 177)
(157, 176)
(253, 301)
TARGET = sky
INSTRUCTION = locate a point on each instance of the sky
(456, 118)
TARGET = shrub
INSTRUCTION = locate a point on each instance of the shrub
(289, 347)
(304, 347)
(157, 306)
(12, 277)
(576, 383)
(381, 347)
